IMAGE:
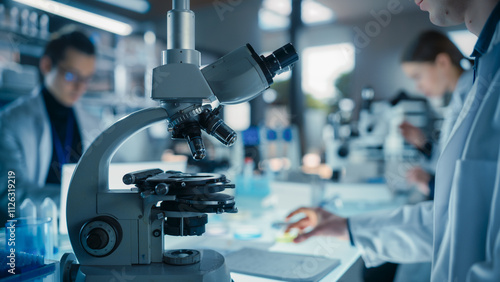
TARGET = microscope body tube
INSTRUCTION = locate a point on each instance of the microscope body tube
(180, 35)
(180, 5)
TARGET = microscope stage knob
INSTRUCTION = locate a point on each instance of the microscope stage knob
(181, 257)
(161, 189)
(97, 239)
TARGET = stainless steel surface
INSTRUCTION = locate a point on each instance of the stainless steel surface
(181, 56)
(180, 29)
(180, 4)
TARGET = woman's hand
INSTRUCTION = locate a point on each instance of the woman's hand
(413, 135)
(421, 178)
(322, 222)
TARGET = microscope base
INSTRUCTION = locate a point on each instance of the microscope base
(211, 268)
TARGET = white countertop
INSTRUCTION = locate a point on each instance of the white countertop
(257, 215)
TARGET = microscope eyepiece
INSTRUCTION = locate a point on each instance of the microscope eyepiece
(281, 59)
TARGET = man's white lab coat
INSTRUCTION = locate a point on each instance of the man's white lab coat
(26, 144)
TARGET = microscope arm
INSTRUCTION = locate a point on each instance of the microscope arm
(90, 181)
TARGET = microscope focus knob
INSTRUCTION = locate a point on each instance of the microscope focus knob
(100, 237)
(97, 239)
(161, 189)
(181, 257)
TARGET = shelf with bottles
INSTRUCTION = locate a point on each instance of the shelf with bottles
(23, 30)
(18, 43)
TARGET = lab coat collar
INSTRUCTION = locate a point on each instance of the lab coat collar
(484, 39)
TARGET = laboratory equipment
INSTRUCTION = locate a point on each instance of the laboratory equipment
(366, 123)
(185, 91)
(14, 18)
(281, 266)
(280, 148)
(121, 232)
(18, 79)
(372, 126)
(336, 145)
(25, 21)
(44, 26)
(2, 14)
(354, 151)
(48, 209)
(30, 236)
(414, 110)
(28, 209)
(399, 155)
(26, 267)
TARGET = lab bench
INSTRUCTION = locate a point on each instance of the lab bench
(253, 227)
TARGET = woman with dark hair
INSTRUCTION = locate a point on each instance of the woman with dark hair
(436, 65)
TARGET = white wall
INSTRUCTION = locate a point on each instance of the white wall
(379, 39)
(378, 53)
(228, 24)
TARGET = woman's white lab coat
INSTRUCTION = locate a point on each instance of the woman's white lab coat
(460, 230)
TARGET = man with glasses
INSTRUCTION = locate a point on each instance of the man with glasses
(42, 132)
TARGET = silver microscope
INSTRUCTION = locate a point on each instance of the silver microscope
(118, 235)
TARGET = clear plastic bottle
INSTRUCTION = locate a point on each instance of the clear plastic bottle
(14, 18)
(48, 209)
(2, 14)
(28, 218)
(44, 26)
(28, 209)
(33, 23)
(25, 14)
